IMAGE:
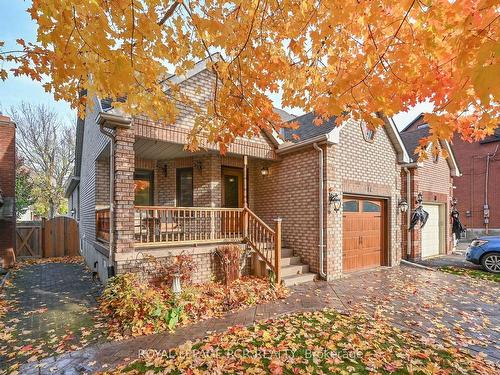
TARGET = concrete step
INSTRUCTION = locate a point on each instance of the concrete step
(297, 269)
(287, 261)
(286, 252)
(298, 279)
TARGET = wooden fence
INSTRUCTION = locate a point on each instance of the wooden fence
(56, 237)
(29, 239)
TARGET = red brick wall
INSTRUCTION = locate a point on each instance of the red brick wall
(290, 191)
(470, 187)
(7, 182)
(434, 181)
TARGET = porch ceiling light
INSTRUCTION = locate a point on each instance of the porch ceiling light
(334, 198)
(264, 171)
(403, 205)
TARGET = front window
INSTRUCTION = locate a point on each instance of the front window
(143, 188)
(185, 187)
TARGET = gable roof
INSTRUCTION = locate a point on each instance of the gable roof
(411, 140)
(307, 132)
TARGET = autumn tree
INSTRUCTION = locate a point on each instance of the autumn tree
(46, 145)
(348, 58)
(24, 188)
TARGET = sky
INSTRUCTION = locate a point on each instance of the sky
(16, 23)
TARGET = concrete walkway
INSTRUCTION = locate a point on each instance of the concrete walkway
(436, 305)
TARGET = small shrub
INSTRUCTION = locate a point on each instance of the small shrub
(164, 271)
(229, 256)
(136, 308)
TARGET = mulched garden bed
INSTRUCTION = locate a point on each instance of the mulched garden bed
(136, 307)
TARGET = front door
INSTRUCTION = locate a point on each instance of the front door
(363, 233)
(232, 197)
(232, 187)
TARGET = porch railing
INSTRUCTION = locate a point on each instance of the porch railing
(264, 240)
(102, 224)
(158, 225)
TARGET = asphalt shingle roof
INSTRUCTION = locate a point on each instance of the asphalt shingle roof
(411, 140)
(307, 129)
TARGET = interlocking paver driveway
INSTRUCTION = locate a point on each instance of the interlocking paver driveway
(54, 309)
(436, 305)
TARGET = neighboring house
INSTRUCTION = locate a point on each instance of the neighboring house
(7, 186)
(477, 190)
(433, 179)
(336, 190)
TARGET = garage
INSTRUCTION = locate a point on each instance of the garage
(431, 232)
(363, 233)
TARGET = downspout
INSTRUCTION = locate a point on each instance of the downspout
(408, 213)
(111, 136)
(321, 191)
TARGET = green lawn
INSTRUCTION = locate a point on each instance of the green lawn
(312, 343)
(474, 273)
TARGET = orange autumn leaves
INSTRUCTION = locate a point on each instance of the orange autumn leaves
(319, 342)
(345, 58)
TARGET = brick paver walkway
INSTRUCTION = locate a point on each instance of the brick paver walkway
(433, 304)
(456, 260)
(51, 301)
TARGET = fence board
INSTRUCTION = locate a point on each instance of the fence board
(29, 239)
(61, 237)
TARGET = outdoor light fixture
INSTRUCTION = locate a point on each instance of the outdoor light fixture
(333, 198)
(454, 202)
(264, 171)
(198, 164)
(403, 205)
(73, 212)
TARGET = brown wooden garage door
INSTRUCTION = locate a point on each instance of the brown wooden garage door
(363, 232)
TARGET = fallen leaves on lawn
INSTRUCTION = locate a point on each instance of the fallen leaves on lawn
(471, 272)
(320, 342)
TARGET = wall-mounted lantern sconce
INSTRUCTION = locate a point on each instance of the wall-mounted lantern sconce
(198, 164)
(403, 205)
(73, 212)
(334, 198)
(164, 170)
(264, 171)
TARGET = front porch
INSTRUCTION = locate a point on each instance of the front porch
(173, 200)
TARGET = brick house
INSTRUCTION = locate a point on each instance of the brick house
(7, 185)
(477, 189)
(433, 179)
(335, 189)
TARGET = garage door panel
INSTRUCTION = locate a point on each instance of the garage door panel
(362, 234)
(431, 232)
